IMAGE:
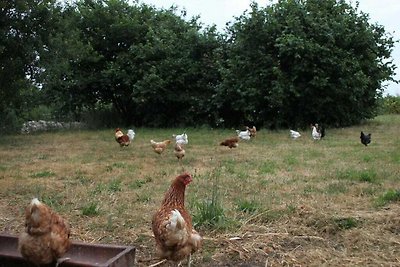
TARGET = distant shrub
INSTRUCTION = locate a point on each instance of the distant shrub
(390, 105)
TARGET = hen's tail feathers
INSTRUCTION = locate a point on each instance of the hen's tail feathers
(196, 239)
(176, 220)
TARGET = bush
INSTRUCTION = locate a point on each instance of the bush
(10, 121)
(390, 105)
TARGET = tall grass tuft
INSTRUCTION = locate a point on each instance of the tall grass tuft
(90, 209)
(210, 212)
(346, 223)
(390, 196)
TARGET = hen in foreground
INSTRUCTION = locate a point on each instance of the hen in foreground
(365, 138)
(172, 225)
(230, 142)
(46, 236)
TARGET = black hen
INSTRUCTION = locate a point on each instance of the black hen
(365, 139)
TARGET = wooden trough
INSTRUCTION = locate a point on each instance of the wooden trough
(80, 254)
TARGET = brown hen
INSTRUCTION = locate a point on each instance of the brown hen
(159, 147)
(179, 151)
(172, 224)
(46, 236)
(230, 142)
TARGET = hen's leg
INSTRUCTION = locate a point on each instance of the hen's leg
(189, 260)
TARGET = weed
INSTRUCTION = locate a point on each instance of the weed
(148, 179)
(43, 156)
(367, 158)
(52, 200)
(144, 198)
(336, 188)
(118, 165)
(109, 168)
(229, 165)
(137, 184)
(275, 214)
(267, 167)
(395, 157)
(210, 212)
(346, 223)
(369, 176)
(83, 180)
(90, 209)
(110, 226)
(310, 189)
(99, 189)
(43, 174)
(390, 196)
(247, 206)
(115, 186)
(290, 160)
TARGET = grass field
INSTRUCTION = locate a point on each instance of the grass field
(272, 200)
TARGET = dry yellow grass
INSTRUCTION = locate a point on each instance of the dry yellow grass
(286, 202)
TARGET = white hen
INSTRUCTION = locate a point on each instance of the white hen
(294, 134)
(131, 134)
(315, 134)
(181, 139)
(245, 135)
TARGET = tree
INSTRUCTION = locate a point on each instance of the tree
(297, 62)
(23, 31)
(154, 67)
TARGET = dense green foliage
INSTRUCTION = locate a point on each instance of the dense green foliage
(298, 62)
(23, 31)
(390, 105)
(151, 65)
(118, 63)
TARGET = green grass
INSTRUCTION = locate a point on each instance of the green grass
(90, 209)
(389, 196)
(369, 176)
(275, 197)
(42, 174)
(346, 223)
(247, 206)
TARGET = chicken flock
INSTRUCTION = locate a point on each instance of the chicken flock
(45, 239)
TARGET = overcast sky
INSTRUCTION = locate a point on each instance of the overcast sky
(219, 12)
